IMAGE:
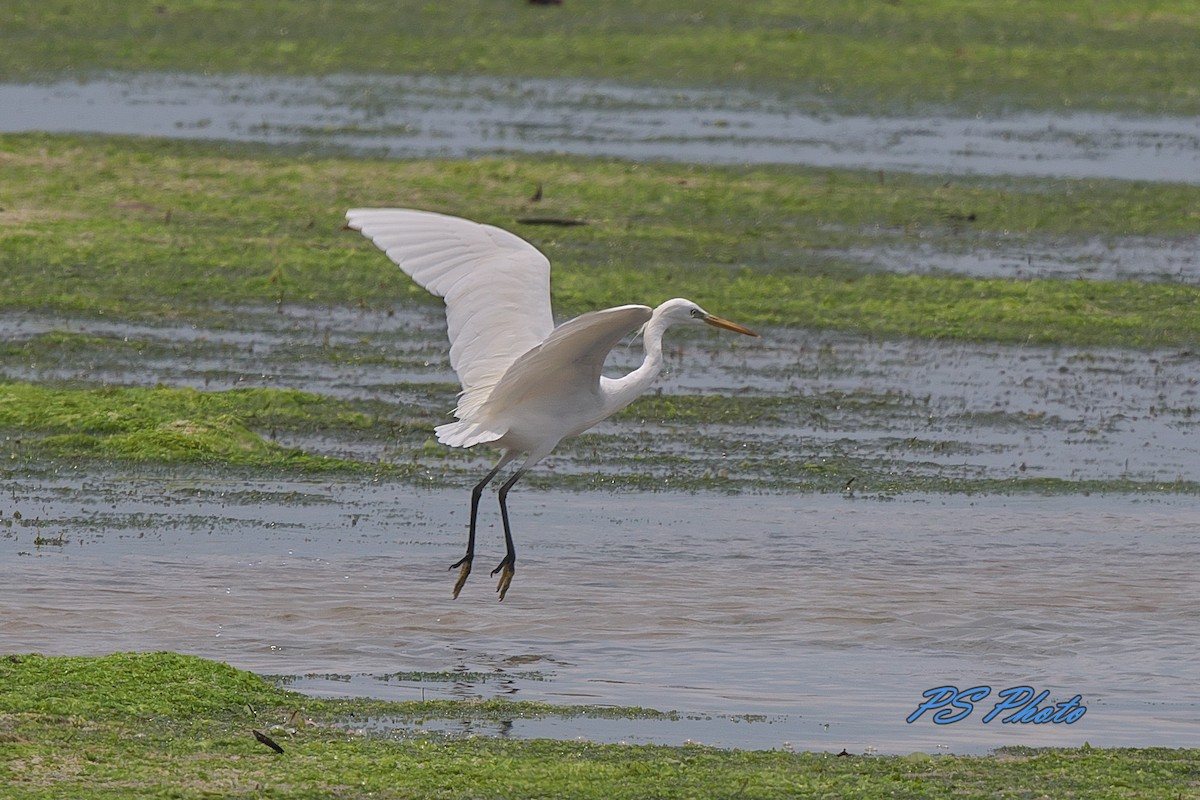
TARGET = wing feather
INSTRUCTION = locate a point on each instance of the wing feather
(495, 284)
(573, 355)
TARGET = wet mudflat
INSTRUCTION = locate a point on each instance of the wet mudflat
(767, 618)
(802, 405)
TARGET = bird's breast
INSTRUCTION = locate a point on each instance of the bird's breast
(548, 418)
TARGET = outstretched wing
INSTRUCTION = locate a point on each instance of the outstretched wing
(495, 284)
(572, 356)
(563, 370)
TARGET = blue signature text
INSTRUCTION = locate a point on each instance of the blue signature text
(1022, 704)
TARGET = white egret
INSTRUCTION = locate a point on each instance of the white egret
(526, 384)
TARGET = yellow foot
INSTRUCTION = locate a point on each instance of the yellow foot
(506, 571)
(462, 576)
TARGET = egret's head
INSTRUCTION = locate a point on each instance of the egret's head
(680, 310)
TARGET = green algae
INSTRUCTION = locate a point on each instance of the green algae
(136, 229)
(974, 56)
(167, 725)
(185, 426)
(675, 442)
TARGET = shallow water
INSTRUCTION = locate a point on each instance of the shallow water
(812, 622)
(1120, 259)
(423, 116)
(807, 620)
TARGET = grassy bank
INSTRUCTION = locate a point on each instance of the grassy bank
(164, 725)
(134, 228)
(971, 56)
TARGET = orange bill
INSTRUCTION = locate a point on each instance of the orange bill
(717, 322)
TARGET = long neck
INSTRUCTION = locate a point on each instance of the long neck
(620, 392)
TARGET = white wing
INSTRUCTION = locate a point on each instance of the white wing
(495, 284)
(562, 373)
(573, 355)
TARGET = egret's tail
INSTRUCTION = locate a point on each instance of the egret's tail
(465, 433)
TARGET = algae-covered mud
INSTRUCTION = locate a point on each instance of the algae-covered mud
(180, 726)
(143, 228)
(888, 57)
(798, 411)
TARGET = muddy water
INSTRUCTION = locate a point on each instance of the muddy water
(806, 620)
(420, 116)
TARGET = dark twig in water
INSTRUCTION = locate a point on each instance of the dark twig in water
(565, 223)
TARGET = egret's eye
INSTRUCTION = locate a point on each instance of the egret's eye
(697, 313)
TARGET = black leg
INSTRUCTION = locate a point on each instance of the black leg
(465, 561)
(508, 566)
